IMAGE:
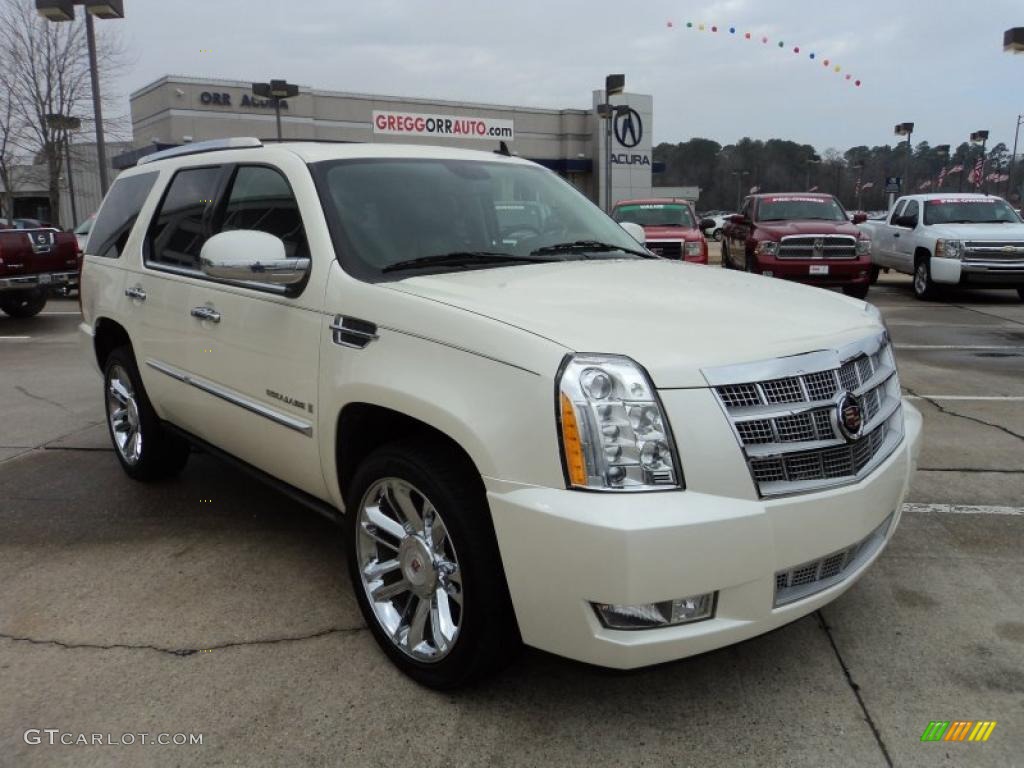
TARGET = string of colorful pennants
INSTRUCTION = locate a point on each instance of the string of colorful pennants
(811, 55)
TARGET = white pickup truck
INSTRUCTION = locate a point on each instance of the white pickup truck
(949, 238)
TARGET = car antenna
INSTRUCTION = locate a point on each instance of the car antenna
(503, 149)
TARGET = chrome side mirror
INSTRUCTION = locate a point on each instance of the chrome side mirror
(251, 256)
(635, 231)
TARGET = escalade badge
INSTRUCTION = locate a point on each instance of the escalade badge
(850, 417)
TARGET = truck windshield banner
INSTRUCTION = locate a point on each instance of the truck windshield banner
(447, 126)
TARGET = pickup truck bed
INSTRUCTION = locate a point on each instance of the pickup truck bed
(33, 262)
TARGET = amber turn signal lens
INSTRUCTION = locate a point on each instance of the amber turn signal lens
(571, 444)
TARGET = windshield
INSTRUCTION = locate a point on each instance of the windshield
(969, 210)
(656, 215)
(385, 211)
(84, 227)
(790, 208)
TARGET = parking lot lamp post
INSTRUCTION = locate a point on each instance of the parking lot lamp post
(739, 186)
(860, 177)
(64, 10)
(906, 129)
(613, 85)
(981, 137)
(67, 123)
(276, 91)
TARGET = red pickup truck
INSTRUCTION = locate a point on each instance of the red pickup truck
(34, 262)
(671, 225)
(799, 236)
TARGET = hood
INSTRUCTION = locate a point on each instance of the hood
(672, 233)
(809, 227)
(671, 317)
(978, 231)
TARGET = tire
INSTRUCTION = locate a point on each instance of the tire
(717, 235)
(875, 271)
(22, 304)
(463, 584)
(924, 288)
(145, 450)
(857, 291)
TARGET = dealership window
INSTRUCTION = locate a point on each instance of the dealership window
(178, 231)
(110, 231)
(261, 199)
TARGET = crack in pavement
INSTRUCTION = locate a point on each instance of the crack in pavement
(42, 399)
(972, 469)
(182, 651)
(975, 419)
(853, 687)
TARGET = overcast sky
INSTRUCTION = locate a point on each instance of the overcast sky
(939, 64)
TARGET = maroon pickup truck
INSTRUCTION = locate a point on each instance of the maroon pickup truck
(799, 236)
(33, 263)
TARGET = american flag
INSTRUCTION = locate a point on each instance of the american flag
(867, 185)
(1003, 177)
(754, 190)
(924, 184)
(813, 189)
(942, 177)
(958, 168)
(994, 176)
(975, 175)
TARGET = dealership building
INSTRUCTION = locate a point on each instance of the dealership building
(176, 110)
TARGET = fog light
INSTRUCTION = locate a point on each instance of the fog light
(668, 613)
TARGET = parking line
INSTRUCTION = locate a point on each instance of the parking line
(47, 314)
(14, 338)
(960, 346)
(964, 509)
(997, 398)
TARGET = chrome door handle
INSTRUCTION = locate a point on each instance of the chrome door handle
(135, 292)
(206, 313)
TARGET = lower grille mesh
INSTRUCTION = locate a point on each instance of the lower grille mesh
(806, 579)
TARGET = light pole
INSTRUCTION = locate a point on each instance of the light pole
(906, 129)
(739, 186)
(981, 137)
(1013, 157)
(613, 85)
(860, 176)
(808, 163)
(64, 10)
(67, 123)
(276, 91)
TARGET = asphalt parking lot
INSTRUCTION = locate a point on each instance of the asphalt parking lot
(211, 605)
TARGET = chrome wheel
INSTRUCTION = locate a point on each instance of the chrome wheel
(921, 279)
(409, 569)
(123, 415)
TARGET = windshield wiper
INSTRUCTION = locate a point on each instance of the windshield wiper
(460, 259)
(589, 245)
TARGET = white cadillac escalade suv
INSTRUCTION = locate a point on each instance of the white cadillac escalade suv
(533, 432)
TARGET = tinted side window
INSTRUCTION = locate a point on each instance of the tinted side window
(897, 210)
(261, 199)
(911, 209)
(179, 229)
(118, 213)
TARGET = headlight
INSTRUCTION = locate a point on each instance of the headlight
(693, 248)
(949, 249)
(615, 436)
(863, 247)
(768, 247)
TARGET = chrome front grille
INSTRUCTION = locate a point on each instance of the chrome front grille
(818, 247)
(1001, 255)
(786, 415)
(807, 579)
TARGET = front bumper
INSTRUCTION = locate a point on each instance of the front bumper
(46, 280)
(992, 273)
(840, 271)
(563, 550)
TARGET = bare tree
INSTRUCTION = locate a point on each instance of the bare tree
(44, 69)
(9, 142)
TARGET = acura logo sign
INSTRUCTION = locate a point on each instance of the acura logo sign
(629, 128)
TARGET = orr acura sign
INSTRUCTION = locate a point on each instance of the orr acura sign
(444, 126)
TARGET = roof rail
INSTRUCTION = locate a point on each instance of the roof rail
(196, 148)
